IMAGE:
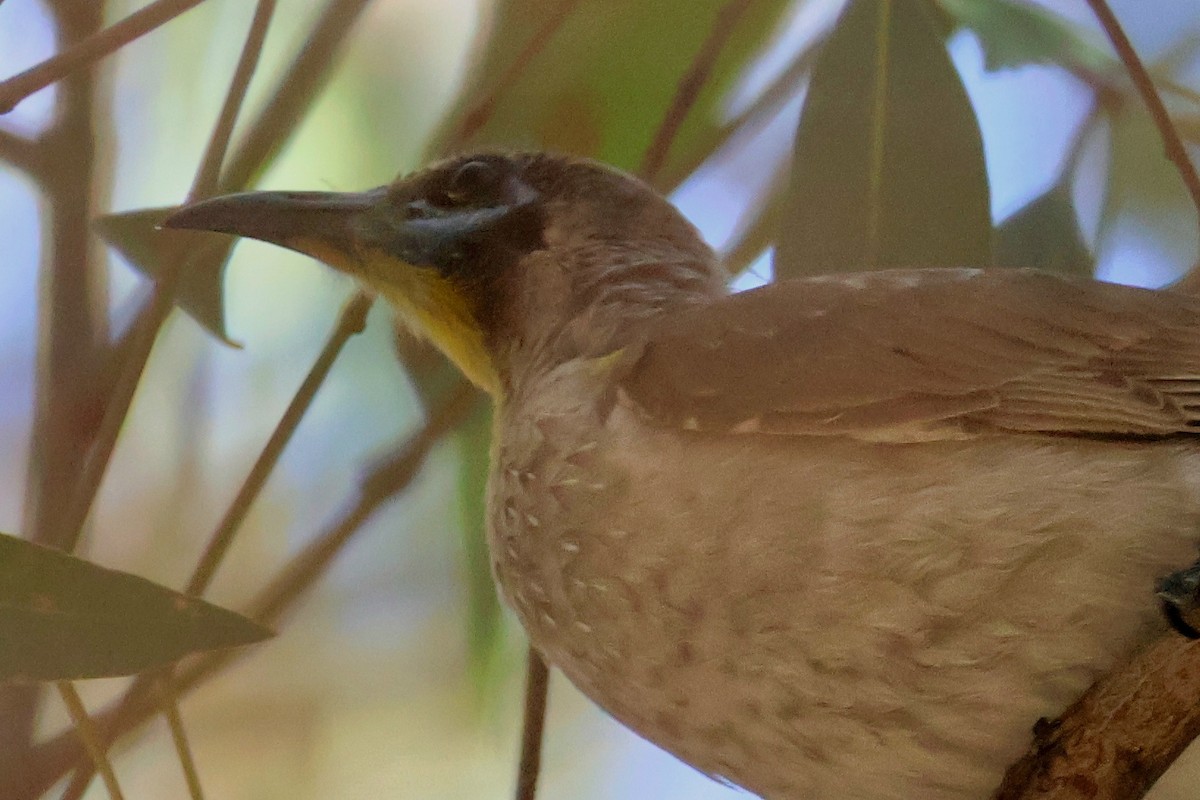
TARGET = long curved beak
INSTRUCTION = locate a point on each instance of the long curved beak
(340, 228)
(326, 225)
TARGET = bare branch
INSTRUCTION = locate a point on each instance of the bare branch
(1172, 144)
(89, 736)
(537, 683)
(1117, 739)
(72, 324)
(89, 50)
(208, 174)
(22, 153)
(351, 322)
(293, 95)
(169, 705)
(690, 86)
(482, 111)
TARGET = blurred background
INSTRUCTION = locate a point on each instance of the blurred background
(396, 675)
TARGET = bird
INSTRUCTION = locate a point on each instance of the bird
(843, 536)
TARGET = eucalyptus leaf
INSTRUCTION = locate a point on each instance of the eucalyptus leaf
(63, 618)
(888, 168)
(1044, 234)
(601, 83)
(1015, 34)
(199, 257)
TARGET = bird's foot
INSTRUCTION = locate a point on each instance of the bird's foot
(1179, 594)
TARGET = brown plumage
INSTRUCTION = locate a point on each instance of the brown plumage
(930, 354)
(843, 537)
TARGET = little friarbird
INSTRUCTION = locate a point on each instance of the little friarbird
(844, 536)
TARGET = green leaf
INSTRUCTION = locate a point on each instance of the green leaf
(63, 618)
(1146, 205)
(601, 84)
(200, 257)
(1016, 34)
(433, 377)
(1044, 234)
(888, 167)
(484, 630)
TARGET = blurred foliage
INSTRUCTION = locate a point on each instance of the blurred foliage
(1016, 34)
(604, 77)
(198, 258)
(63, 618)
(1145, 204)
(1044, 234)
(888, 166)
(483, 605)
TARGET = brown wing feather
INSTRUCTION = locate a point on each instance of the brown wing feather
(911, 354)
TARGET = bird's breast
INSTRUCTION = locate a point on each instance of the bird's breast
(825, 617)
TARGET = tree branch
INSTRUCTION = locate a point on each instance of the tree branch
(533, 725)
(690, 85)
(292, 96)
(86, 51)
(71, 328)
(1172, 144)
(1117, 739)
(22, 153)
(479, 114)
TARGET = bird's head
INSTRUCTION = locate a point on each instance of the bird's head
(494, 256)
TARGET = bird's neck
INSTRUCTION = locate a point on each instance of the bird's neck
(600, 301)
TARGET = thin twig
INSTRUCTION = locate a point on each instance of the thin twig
(479, 114)
(169, 705)
(1172, 144)
(537, 683)
(351, 321)
(690, 86)
(764, 107)
(20, 152)
(50, 760)
(272, 126)
(139, 341)
(208, 174)
(89, 50)
(1077, 145)
(71, 326)
(89, 736)
(292, 96)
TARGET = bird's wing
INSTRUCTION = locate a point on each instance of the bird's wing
(907, 355)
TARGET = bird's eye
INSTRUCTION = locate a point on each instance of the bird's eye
(475, 181)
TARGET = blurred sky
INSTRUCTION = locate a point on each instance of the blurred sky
(365, 693)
